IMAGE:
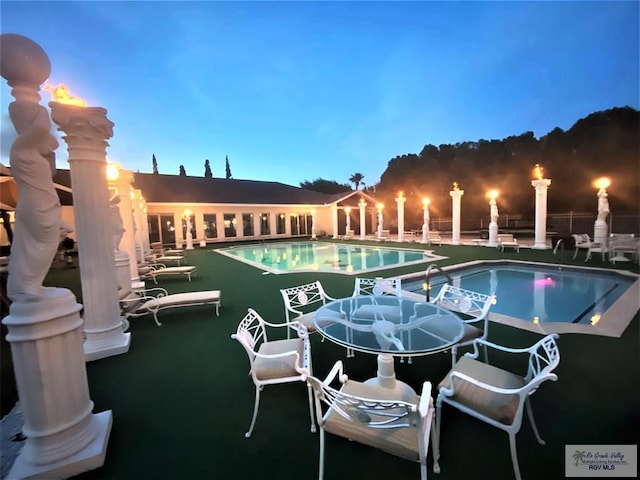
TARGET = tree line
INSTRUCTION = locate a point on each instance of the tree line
(605, 143)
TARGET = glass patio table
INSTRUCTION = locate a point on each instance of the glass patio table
(388, 326)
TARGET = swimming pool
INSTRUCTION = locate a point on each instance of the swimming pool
(291, 257)
(544, 297)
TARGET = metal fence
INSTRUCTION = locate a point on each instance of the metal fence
(570, 222)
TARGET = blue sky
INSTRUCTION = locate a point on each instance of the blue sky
(294, 91)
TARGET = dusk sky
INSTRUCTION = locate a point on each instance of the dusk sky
(295, 91)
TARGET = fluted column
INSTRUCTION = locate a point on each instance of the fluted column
(456, 197)
(400, 201)
(541, 186)
(362, 205)
(334, 220)
(87, 129)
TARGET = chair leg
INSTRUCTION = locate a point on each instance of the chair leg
(321, 460)
(454, 355)
(255, 411)
(435, 435)
(313, 420)
(533, 422)
(514, 455)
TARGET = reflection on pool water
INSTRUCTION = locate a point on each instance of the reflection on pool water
(541, 293)
(324, 257)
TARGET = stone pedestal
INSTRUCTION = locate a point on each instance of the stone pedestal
(493, 224)
(425, 221)
(541, 187)
(380, 226)
(64, 437)
(87, 129)
(456, 197)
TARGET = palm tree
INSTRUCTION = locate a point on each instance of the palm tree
(356, 179)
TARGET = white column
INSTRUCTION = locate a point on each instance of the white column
(541, 187)
(334, 220)
(400, 201)
(380, 220)
(64, 438)
(362, 205)
(87, 129)
(456, 197)
(425, 220)
(493, 224)
(200, 221)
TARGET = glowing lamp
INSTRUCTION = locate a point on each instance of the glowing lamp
(60, 94)
(113, 172)
(426, 202)
(492, 194)
(379, 206)
(538, 172)
(348, 210)
(602, 183)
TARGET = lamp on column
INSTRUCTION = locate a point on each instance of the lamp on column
(425, 220)
(600, 227)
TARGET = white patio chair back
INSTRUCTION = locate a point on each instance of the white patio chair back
(377, 286)
(474, 308)
(494, 395)
(301, 302)
(276, 361)
(375, 416)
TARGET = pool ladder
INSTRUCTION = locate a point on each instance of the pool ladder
(427, 274)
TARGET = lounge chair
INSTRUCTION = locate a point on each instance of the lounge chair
(154, 271)
(156, 299)
(434, 238)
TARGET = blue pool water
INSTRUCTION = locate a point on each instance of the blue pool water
(537, 293)
(323, 257)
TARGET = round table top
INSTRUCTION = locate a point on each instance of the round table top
(389, 325)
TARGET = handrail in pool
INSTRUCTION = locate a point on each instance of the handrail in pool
(428, 272)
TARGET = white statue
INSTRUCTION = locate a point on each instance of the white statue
(37, 223)
(603, 205)
(494, 211)
(26, 66)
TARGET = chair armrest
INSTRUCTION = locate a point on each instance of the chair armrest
(336, 372)
(295, 325)
(449, 392)
(495, 346)
(425, 399)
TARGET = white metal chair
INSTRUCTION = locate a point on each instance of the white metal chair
(276, 361)
(301, 302)
(473, 306)
(581, 240)
(372, 415)
(377, 286)
(494, 395)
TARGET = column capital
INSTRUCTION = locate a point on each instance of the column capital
(541, 183)
(85, 127)
(456, 193)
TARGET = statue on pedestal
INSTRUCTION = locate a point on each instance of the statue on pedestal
(32, 160)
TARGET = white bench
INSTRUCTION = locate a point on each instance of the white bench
(507, 240)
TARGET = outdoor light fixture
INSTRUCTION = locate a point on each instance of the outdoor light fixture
(113, 172)
(602, 183)
(538, 172)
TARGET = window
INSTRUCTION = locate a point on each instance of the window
(294, 225)
(210, 225)
(247, 224)
(265, 228)
(280, 225)
(167, 230)
(230, 225)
